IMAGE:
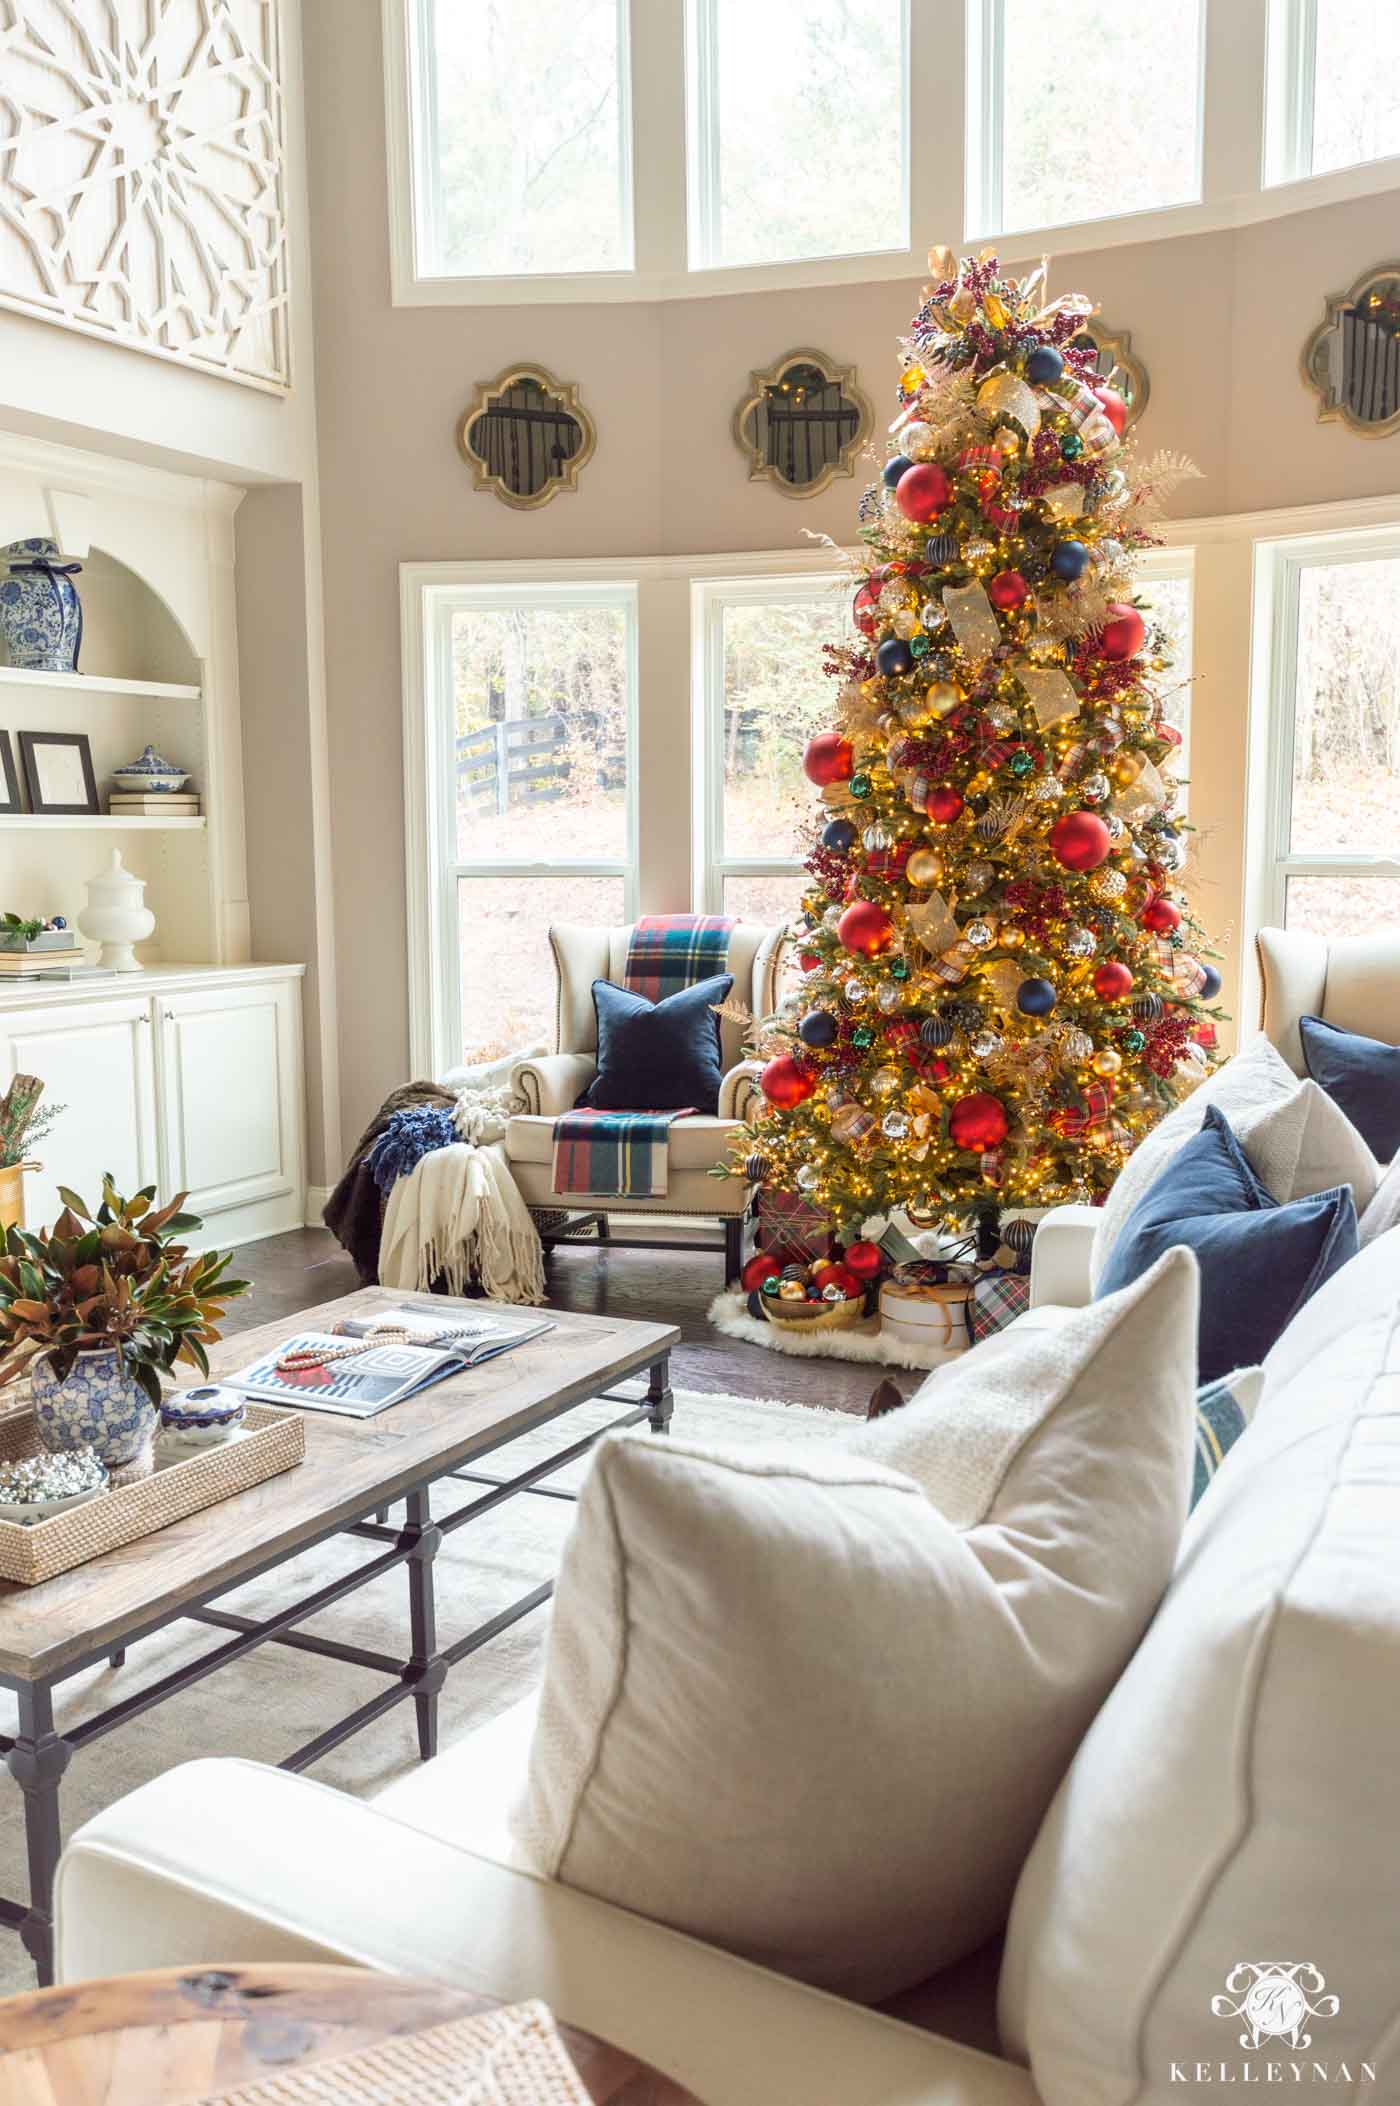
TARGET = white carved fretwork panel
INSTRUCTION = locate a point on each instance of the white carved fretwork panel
(142, 191)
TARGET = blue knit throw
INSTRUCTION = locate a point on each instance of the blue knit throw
(409, 1136)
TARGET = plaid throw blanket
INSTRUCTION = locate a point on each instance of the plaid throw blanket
(671, 951)
(622, 1155)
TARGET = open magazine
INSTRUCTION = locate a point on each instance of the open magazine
(356, 1388)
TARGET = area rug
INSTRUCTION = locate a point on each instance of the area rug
(270, 1703)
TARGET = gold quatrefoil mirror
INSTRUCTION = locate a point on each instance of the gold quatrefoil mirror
(1352, 358)
(803, 423)
(1118, 366)
(526, 436)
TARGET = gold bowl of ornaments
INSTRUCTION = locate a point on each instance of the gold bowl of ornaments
(813, 1298)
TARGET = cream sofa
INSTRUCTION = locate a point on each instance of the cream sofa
(1350, 981)
(1229, 1799)
(553, 1083)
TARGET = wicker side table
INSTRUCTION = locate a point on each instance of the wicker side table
(178, 2038)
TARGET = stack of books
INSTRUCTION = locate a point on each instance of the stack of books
(27, 965)
(154, 804)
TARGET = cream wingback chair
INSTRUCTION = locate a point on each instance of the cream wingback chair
(554, 1084)
(1350, 981)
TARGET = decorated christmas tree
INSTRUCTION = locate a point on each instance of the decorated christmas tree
(1003, 988)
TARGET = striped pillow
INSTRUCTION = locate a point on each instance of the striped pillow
(1223, 1409)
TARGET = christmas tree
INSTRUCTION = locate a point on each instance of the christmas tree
(1003, 987)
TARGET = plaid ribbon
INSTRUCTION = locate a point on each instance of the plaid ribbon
(670, 951)
(612, 1155)
(998, 1298)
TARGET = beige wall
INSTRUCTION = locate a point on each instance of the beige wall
(1219, 318)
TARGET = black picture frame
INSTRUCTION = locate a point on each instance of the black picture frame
(10, 800)
(31, 745)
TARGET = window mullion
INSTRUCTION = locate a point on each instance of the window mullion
(983, 107)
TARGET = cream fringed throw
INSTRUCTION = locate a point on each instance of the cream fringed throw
(459, 1214)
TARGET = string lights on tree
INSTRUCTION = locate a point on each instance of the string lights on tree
(1003, 987)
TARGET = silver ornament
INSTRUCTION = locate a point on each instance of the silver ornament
(980, 934)
(894, 1126)
(1080, 943)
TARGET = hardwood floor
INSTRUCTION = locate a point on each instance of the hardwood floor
(292, 1271)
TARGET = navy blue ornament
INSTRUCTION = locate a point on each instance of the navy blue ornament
(838, 835)
(1044, 365)
(1067, 560)
(895, 468)
(817, 1028)
(1147, 1008)
(941, 548)
(1036, 997)
(935, 1031)
(895, 657)
(1210, 986)
(755, 1307)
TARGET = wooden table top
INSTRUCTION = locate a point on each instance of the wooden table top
(351, 1465)
(179, 2038)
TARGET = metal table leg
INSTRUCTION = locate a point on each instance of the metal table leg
(37, 1762)
(658, 1401)
(427, 1669)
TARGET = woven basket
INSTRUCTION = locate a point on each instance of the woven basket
(273, 1441)
(825, 1316)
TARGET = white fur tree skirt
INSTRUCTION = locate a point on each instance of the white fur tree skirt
(728, 1312)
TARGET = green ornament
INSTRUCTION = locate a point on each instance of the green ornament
(919, 644)
(899, 970)
(860, 786)
(1020, 763)
(1071, 446)
(770, 1286)
(862, 1036)
(1132, 1041)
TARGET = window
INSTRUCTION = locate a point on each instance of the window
(798, 129)
(1335, 734)
(1334, 85)
(1165, 586)
(761, 692)
(1078, 112)
(532, 708)
(521, 123)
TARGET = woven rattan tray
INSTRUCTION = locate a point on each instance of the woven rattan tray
(272, 1441)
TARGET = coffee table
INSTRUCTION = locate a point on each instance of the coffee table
(355, 1469)
(175, 2037)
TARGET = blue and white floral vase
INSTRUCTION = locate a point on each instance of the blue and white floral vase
(41, 616)
(99, 1404)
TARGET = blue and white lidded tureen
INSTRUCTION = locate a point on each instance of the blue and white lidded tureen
(151, 772)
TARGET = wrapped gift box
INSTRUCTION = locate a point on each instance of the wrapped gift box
(791, 1227)
(936, 1319)
(998, 1298)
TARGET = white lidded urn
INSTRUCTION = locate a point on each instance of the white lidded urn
(116, 915)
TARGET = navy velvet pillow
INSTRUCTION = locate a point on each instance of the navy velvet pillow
(657, 1056)
(1259, 1261)
(1362, 1075)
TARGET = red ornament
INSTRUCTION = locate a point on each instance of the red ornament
(934, 1067)
(1113, 407)
(785, 1082)
(762, 1266)
(1008, 589)
(829, 758)
(978, 1121)
(838, 1276)
(1113, 982)
(865, 927)
(809, 961)
(922, 491)
(943, 803)
(1204, 1034)
(864, 1259)
(1167, 733)
(1080, 840)
(1160, 915)
(900, 1031)
(865, 606)
(1123, 632)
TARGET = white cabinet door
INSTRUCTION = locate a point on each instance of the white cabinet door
(95, 1060)
(229, 1079)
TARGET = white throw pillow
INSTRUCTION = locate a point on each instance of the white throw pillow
(1383, 1213)
(794, 1708)
(1297, 1139)
(1230, 1806)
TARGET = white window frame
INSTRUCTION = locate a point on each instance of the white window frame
(1292, 104)
(704, 147)
(984, 119)
(434, 866)
(1177, 561)
(709, 599)
(1279, 565)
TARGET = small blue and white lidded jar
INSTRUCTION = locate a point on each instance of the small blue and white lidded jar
(41, 616)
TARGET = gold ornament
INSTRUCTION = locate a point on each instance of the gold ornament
(885, 1081)
(941, 699)
(913, 709)
(924, 867)
(1128, 766)
(1106, 1061)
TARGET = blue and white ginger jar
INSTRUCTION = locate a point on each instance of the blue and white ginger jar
(99, 1405)
(41, 616)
